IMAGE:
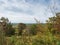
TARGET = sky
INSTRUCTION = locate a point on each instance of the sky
(24, 11)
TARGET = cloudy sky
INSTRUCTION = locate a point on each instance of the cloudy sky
(25, 11)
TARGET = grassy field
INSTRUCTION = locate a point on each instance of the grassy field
(39, 39)
(33, 40)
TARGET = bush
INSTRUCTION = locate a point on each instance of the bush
(33, 29)
(10, 30)
(21, 27)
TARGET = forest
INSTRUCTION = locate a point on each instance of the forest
(30, 34)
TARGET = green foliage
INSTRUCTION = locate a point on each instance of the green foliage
(7, 27)
(10, 30)
(21, 27)
(48, 34)
(54, 24)
(33, 29)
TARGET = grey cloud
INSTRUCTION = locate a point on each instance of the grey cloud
(1, 2)
(19, 10)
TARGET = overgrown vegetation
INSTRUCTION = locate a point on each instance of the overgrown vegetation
(35, 34)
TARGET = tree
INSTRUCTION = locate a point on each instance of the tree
(7, 26)
(10, 30)
(54, 27)
(21, 27)
(2, 34)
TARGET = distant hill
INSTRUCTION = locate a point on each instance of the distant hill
(28, 24)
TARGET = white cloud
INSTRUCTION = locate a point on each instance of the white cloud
(27, 13)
